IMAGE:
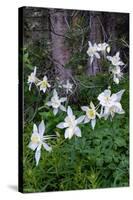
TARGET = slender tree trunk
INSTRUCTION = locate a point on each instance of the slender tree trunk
(60, 52)
(95, 36)
(111, 30)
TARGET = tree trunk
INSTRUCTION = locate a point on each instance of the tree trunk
(95, 36)
(60, 52)
(111, 30)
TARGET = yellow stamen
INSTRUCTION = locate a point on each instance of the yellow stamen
(91, 113)
(35, 138)
(44, 84)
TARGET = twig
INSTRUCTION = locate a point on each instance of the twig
(104, 33)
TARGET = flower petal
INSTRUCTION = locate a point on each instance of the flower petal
(84, 108)
(35, 129)
(89, 42)
(108, 49)
(41, 128)
(80, 119)
(117, 55)
(39, 83)
(109, 58)
(48, 85)
(69, 133)
(69, 111)
(44, 89)
(107, 92)
(45, 78)
(47, 147)
(97, 55)
(55, 111)
(55, 93)
(62, 125)
(121, 63)
(30, 86)
(63, 108)
(92, 105)
(93, 123)
(119, 94)
(77, 131)
(33, 146)
(120, 111)
(63, 99)
(37, 156)
(91, 59)
(39, 147)
(34, 71)
(86, 120)
(116, 80)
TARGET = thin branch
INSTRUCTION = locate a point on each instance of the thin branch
(104, 32)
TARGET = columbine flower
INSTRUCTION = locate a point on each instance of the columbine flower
(110, 103)
(116, 108)
(32, 79)
(56, 103)
(70, 124)
(91, 114)
(38, 140)
(92, 52)
(44, 84)
(103, 47)
(117, 74)
(68, 86)
(115, 60)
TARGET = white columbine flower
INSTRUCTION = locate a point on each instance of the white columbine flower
(115, 60)
(70, 124)
(110, 103)
(56, 102)
(117, 74)
(44, 84)
(38, 140)
(103, 47)
(116, 108)
(32, 78)
(68, 86)
(92, 52)
(91, 114)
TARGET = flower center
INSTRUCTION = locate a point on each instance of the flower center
(44, 84)
(107, 99)
(55, 102)
(71, 121)
(91, 113)
(35, 138)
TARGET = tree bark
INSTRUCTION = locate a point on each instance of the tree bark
(111, 30)
(95, 36)
(60, 51)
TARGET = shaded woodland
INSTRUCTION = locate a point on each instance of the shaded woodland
(55, 47)
(64, 36)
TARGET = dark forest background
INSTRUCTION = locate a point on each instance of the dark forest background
(60, 37)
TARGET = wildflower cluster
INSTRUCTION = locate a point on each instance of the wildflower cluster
(115, 62)
(109, 104)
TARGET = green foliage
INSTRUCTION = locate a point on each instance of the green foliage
(89, 87)
(35, 54)
(98, 159)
